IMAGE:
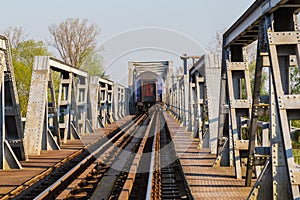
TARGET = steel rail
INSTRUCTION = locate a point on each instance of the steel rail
(26, 185)
(152, 162)
(128, 185)
(109, 155)
(71, 172)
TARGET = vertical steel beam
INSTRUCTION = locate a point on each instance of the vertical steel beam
(131, 87)
(282, 42)
(67, 107)
(212, 88)
(186, 100)
(178, 100)
(81, 103)
(256, 103)
(42, 118)
(224, 150)
(200, 109)
(37, 135)
(11, 130)
(191, 105)
(235, 89)
(110, 94)
(117, 101)
(94, 91)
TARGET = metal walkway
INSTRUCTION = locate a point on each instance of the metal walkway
(233, 142)
(36, 167)
(205, 181)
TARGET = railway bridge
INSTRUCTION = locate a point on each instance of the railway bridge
(206, 134)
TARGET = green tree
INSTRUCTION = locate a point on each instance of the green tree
(23, 58)
(295, 89)
(264, 78)
(74, 39)
(93, 64)
(294, 80)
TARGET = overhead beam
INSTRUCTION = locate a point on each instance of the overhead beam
(251, 18)
(59, 65)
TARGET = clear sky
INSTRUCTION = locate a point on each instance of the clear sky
(133, 29)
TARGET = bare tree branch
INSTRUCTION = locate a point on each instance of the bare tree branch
(216, 45)
(74, 40)
(15, 35)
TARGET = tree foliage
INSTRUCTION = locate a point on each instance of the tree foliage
(93, 65)
(75, 40)
(23, 60)
(264, 78)
(294, 80)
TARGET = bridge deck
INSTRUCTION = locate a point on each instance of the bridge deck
(36, 165)
(205, 181)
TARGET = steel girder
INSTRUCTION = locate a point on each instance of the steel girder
(50, 123)
(280, 41)
(11, 130)
(101, 101)
(119, 101)
(274, 24)
(204, 76)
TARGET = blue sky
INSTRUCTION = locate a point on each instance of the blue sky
(180, 26)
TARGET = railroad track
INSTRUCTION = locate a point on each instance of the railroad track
(160, 175)
(172, 183)
(136, 162)
(49, 182)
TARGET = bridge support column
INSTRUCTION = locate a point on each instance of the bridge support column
(46, 127)
(11, 139)
(206, 74)
(37, 135)
(279, 39)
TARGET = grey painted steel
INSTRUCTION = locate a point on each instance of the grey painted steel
(82, 101)
(206, 74)
(244, 30)
(11, 131)
(48, 124)
(119, 101)
(93, 102)
(283, 165)
(194, 98)
(161, 69)
(127, 101)
(274, 23)
(101, 96)
(239, 106)
(255, 114)
(36, 133)
(184, 100)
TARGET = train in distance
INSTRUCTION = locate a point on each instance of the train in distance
(147, 95)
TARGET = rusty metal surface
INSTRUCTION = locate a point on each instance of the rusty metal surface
(38, 164)
(205, 181)
(35, 165)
